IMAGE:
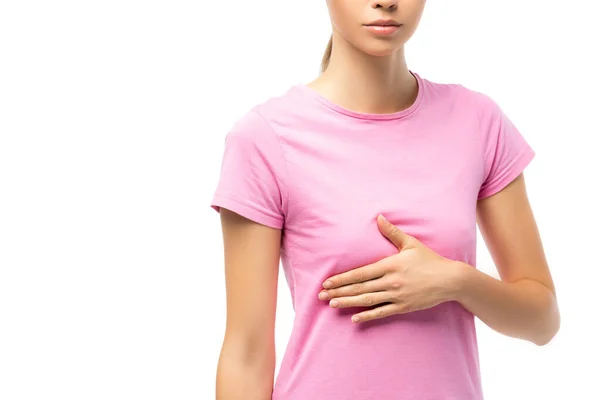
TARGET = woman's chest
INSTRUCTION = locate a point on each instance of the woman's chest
(429, 195)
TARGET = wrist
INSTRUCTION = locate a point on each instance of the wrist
(458, 272)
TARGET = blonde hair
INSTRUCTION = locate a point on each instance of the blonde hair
(327, 55)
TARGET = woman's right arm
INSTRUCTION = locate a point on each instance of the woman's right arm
(246, 364)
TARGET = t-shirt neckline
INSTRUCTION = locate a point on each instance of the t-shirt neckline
(362, 115)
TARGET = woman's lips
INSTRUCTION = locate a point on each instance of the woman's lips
(383, 30)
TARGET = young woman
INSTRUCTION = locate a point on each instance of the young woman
(384, 307)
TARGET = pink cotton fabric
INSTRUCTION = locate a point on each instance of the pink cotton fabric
(322, 173)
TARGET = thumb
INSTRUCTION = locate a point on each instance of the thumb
(392, 232)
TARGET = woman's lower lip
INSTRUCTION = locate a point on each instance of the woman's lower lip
(382, 30)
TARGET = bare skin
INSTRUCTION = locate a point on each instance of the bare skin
(368, 73)
(247, 361)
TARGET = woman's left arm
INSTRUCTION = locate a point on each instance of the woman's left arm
(523, 303)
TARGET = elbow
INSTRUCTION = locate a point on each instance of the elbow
(551, 327)
(544, 340)
(245, 368)
(249, 354)
(547, 336)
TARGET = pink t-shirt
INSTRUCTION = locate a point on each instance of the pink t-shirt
(320, 172)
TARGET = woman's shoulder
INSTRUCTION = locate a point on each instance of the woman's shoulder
(467, 96)
(455, 90)
(269, 112)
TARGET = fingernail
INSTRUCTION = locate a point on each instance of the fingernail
(334, 303)
(383, 219)
(355, 318)
(323, 295)
(327, 284)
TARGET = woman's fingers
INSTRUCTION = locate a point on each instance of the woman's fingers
(360, 274)
(376, 313)
(363, 300)
(355, 289)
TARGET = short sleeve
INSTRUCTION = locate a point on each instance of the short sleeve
(506, 152)
(252, 171)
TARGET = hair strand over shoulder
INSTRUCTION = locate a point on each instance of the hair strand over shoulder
(327, 55)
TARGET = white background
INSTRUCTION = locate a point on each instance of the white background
(112, 120)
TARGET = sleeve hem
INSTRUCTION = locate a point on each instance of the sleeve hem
(245, 210)
(511, 174)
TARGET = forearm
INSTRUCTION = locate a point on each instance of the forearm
(524, 309)
(244, 374)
